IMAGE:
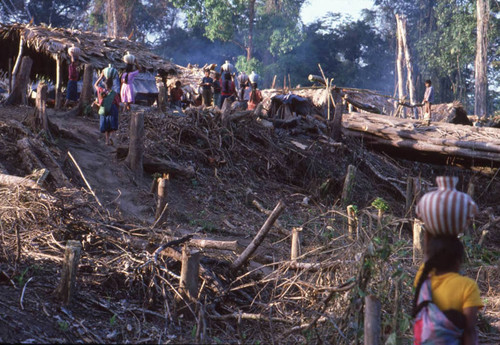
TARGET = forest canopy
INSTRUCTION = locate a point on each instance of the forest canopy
(268, 36)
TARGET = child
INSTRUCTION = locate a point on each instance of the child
(127, 90)
(428, 100)
(109, 102)
(445, 303)
(73, 76)
(176, 95)
(255, 97)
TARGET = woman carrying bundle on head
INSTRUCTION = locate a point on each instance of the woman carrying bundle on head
(255, 97)
(445, 304)
(127, 80)
(109, 103)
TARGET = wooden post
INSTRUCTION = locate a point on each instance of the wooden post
(41, 101)
(189, 273)
(136, 147)
(10, 75)
(162, 97)
(417, 242)
(58, 99)
(372, 320)
(65, 289)
(21, 78)
(162, 198)
(240, 260)
(18, 61)
(409, 196)
(471, 188)
(295, 251)
(87, 94)
(273, 85)
(351, 221)
(337, 117)
(348, 185)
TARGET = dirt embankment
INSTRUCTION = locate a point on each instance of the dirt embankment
(124, 295)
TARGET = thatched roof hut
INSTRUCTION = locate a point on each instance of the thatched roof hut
(44, 44)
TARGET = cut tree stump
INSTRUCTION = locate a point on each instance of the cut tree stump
(349, 182)
(295, 250)
(372, 321)
(161, 204)
(18, 94)
(417, 242)
(134, 159)
(189, 273)
(66, 288)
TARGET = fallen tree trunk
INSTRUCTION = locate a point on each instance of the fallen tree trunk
(10, 180)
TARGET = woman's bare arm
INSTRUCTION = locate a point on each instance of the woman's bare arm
(470, 333)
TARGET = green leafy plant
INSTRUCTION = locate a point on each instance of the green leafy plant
(63, 325)
(112, 320)
(380, 204)
(21, 277)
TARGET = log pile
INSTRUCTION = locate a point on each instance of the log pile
(478, 146)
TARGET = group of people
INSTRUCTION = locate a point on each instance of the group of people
(110, 93)
(215, 91)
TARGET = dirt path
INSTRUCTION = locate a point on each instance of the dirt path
(110, 179)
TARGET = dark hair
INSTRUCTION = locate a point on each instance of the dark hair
(428, 81)
(178, 83)
(445, 252)
(253, 93)
(129, 68)
(109, 83)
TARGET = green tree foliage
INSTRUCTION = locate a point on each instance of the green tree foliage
(57, 13)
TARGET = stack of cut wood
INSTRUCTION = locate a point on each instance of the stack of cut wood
(477, 145)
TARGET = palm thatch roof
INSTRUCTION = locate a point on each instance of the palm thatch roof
(44, 43)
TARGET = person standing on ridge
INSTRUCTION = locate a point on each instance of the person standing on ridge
(428, 100)
(206, 85)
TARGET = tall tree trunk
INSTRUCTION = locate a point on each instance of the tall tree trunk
(251, 15)
(402, 33)
(399, 67)
(480, 66)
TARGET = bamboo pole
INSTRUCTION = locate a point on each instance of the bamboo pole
(252, 247)
(58, 96)
(351, 221)
(18, 60)
(295, 250)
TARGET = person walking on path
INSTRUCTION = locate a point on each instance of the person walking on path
(73, 76)
(127, 89)
(109, 103)
(428, 100)
(206, 91)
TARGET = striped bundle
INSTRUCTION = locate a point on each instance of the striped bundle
(446, 211)
(110, 72)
